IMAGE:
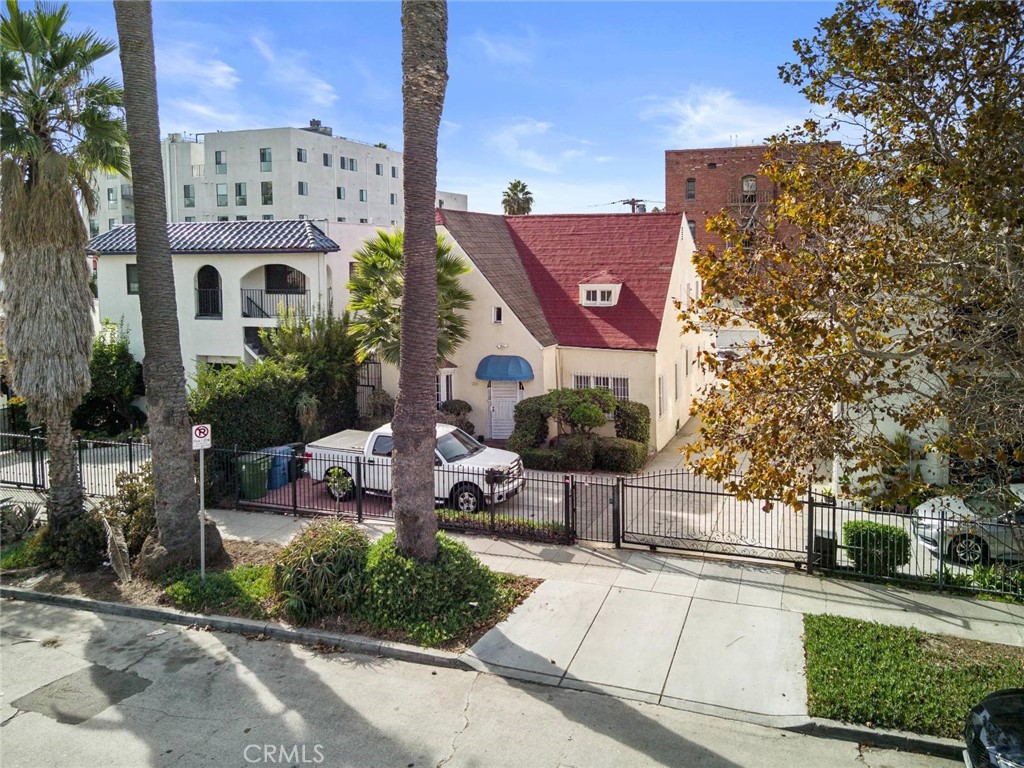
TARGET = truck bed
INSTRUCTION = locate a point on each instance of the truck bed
(353, 440)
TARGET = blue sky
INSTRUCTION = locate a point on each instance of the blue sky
(579, 100)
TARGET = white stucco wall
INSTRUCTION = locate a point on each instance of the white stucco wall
(217, 339)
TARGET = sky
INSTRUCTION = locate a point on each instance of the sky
(578, 100)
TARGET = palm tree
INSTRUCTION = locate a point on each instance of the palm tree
(424, 78)
(57, 126)
(376, 292)
(176, 537)
(517, 200)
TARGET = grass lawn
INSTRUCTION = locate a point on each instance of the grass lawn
(896, 677)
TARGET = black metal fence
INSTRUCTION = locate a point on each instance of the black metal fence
(934, 546)
(944, 545)
(24, 461)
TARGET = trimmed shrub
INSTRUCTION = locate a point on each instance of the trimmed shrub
(431, 602)
(249, 406)
(132, 507)
(531, 419)
(633, 421)
(546, 459)
(577, 452)
(322, 571)
(83, 543)
(575, 407)
(456, 407)
(617, 454)
(456, 420)
(875, 548)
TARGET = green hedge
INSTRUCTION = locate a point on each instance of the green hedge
(504, 525)
(531, 429)
(617, 454)
(249, 406)
(633, 421)
(875, 548)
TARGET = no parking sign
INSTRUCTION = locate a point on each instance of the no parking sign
(202, 437)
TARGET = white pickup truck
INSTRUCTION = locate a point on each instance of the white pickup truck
(467, 474)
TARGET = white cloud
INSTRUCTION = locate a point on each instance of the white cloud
(191, 63)
(714, 116)
(530, 143)
(508, 49)
(288, 69)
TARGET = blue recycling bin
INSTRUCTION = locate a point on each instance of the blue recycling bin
(280, 458)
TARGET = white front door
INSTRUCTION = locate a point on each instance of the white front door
(503, 397)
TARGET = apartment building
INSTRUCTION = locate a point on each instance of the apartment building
(702, 182)
(269, 174)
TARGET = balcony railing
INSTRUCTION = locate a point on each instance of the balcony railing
(208, 303)
(257, 302)
(758, 197)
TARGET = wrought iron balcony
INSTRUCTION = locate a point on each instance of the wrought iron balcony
(209, 304)
(257, 302)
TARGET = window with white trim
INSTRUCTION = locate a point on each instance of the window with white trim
(677, 380)
(496, 315)
(300, 154)
(443, 385)
(328, 159)
(661, 396)
(617, 385)
(599, 295)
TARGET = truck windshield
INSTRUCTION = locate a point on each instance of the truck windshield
(457, 445)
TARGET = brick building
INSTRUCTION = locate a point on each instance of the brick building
(701, 182)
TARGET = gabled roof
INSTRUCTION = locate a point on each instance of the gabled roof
(283, 236)
(487, 240)
(558, 253)
(604, 276)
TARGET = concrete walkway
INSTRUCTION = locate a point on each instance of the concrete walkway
(706, 635)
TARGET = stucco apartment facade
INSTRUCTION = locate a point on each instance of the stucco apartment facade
(269, 174)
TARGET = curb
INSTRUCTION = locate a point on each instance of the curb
(303, 635)
(903, 741)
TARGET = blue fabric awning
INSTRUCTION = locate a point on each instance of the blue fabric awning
(504, 368)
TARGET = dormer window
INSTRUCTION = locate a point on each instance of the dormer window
(600, 290)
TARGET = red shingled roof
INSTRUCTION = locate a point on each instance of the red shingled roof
(559, 252)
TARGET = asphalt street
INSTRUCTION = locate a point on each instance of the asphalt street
(80, 689)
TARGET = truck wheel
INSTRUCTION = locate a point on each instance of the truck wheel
(467, 498)
(339, 484)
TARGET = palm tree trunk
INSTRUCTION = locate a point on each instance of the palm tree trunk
(65, 499)
(424, 78)
(177, 534)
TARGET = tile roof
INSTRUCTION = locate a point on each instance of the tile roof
(604, 276)
(487, 240)
(557, 253)
(277, 236)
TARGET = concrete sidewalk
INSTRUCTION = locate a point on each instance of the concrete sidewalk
(702, 634)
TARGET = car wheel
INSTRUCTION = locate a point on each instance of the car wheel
(339, 484)
(969, 550)
(467, 498)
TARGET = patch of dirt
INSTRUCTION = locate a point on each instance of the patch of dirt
(102, 584)
(957, 653)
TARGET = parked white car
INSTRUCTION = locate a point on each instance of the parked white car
(467, 474)
(972, 530)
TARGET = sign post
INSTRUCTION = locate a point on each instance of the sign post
(202, 438)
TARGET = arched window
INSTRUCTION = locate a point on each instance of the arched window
(749, 187)
(208, 298)
(691, 189)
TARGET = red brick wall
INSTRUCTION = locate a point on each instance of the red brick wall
(714, 184)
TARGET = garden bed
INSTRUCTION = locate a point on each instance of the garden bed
(895, 677)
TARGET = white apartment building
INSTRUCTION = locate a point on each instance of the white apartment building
(269, 174)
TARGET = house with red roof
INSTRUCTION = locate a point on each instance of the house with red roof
(575, 300)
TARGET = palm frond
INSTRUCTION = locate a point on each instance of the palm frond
(117, 550)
